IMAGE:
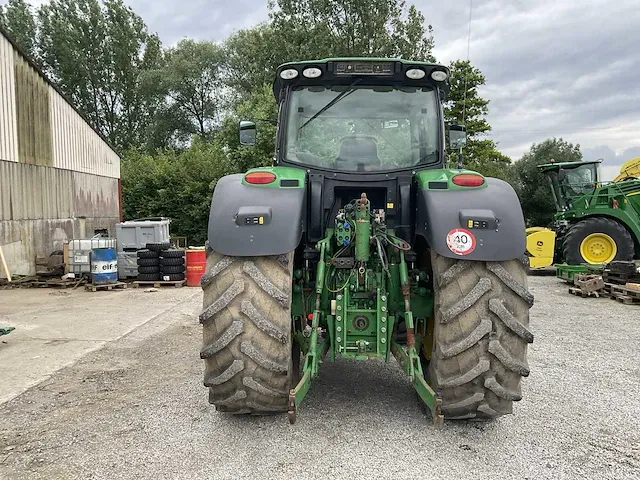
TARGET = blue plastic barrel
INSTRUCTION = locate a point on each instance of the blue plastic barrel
(104, 266)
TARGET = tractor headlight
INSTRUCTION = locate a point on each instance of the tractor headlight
(439, 75)
(312, 72)
(415, 73)
(289, 74)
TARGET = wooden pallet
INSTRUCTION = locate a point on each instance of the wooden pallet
(625, 295)
(620, 278)
(581, 293)
(159, 283)
(105, 286)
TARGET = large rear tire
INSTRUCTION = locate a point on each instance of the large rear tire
(247, 332)
(480, 336)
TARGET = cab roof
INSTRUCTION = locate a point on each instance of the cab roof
(391, 71)
(546, 167)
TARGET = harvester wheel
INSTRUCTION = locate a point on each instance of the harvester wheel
(597, 240)
(247, 342)
(480, 336)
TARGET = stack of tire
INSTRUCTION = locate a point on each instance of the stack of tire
(149, 262)
(172, 265)
(159, 262)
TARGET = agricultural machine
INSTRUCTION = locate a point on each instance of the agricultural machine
(596, 222)
(360, 244)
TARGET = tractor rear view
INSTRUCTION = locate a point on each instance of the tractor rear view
(596, 222)
(360, 244)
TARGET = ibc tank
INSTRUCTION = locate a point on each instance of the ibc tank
(80, 251)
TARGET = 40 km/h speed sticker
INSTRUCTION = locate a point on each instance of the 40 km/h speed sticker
(461, 241)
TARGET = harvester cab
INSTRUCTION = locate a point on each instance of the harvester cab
(359, 243)
(570, 181)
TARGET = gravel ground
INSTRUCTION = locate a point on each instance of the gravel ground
(137, 409)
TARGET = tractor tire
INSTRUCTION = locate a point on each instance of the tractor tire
(148, 262)
(154, 269)
(165, 269)
(172, 254)
(166, 261)
(247, 341)
(148, 254)
(580, 231)
(480, 336)
(149, 277)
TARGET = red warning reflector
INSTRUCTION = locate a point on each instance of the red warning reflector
(260, 178)
(468, 180)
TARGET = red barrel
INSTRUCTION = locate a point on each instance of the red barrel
(196, 266)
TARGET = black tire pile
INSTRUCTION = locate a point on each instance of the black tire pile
(160, 263)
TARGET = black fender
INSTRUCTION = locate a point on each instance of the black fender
(254, 220)
(490, 219)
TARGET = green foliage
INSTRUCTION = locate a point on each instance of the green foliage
(312, 29)
(189, 85)
(95, 51)
(19, 21)
(175, 185)
(260, 107)
(532, 186)
(466, 106)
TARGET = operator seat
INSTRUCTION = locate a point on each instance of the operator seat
(361, 151)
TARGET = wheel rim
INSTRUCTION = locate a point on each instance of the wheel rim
(598, 248)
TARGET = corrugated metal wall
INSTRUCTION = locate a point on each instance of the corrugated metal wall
(38, 126)
(59, 179)
(31, 192)
(75, 145)
(33, 119)
(8, 122)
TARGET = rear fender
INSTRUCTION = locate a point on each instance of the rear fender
(257, 220)
(482, 223)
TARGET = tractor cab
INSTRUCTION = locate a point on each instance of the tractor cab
(570, 181)
(366, 116)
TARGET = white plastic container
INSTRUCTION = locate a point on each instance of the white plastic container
(135, 234)
(80, 252)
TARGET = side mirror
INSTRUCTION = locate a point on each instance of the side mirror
(457, 136)
(247, 132)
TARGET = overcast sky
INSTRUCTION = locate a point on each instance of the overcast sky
(567, 68)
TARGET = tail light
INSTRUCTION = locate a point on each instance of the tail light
(468, 180)
(260, 178)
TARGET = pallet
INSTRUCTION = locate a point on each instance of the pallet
(106, 286)
(159, 283)
(584, 294)
(620, 278)
(625, 295)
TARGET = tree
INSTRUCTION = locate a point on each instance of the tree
(301, 30)
(96, 52)
(260, 105)
(531, 185)
(189, 81)
(175, 185)
(19, 21)
(383, 28)
(466, 106)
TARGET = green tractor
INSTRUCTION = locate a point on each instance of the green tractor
(360, 244)
(596, 222)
